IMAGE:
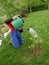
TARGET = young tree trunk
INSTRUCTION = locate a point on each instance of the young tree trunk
(30, 9)
(48, 6)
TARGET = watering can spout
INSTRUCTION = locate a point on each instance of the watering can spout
(28, 29)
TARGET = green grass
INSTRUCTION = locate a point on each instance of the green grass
(22, 56)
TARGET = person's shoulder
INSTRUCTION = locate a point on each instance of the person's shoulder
(8, 20)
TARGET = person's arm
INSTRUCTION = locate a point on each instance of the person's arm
(8, 31)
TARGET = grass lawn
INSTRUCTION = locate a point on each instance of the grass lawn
(23, 56)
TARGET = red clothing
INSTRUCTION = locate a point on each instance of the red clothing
(11, 27)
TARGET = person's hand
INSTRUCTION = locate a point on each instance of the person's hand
(16, 16)
(0, 42)
(5, 35)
